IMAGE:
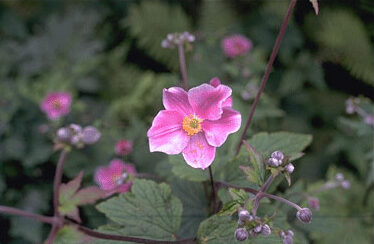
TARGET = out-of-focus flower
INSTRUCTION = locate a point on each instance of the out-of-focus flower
(115, 178)
(236, 45)
(313, 203)
(123, 147)
(194, 122)
(56, 104)
(90, 135)
(346, 184)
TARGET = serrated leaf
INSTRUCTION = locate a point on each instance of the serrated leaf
(148, 211)
(184, 171)
(238, 194)
(69, 189)
(229, 208)
(291, 144)
(150, 31)
(217, 230)
(69, 234)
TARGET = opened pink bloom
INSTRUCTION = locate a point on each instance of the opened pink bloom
(123, 147)
(115, 178)
(56, 104)
(236, 45)
(194, 123)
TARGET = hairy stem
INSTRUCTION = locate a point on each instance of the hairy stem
(214, 201)
(280, 199)
(258, 197)
(267, 71)
(15, 211)
(57, 181)
(182, 64)
(105, 236)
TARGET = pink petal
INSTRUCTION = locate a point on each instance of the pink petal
(103, 178)
(216, 131)
(175, 98)
(216, 82)
(166, 134)
(207, 100)
(130, 169)
(116, 167)
(198, 153)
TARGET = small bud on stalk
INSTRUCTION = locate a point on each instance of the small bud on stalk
(241, 234)
(277, 155)
(290, 168)
(273, 162)
(304, 215)
(265, 231)
(245, 216)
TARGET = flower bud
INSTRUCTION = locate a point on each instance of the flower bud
(339, 177)
(257, 229)
(350, 107)
(288, 240)
(265, 231)
(277, 155)
(369, 120)
(290, 233)
(241, 234)
(165, 43)
(245, 216)
(345, 184)
(289, 168)
(273, 162)
(282, 234)
(63, 134)
(313, 203)
(75, 128)
(90, 135)
(304, 215)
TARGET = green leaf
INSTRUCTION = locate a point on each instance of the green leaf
(229, 208)
(148, 211)
(150, 31)
(217, 230)
(68, 235)
(291, 144)
(184, 171)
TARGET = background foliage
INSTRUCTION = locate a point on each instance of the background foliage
(108, 55)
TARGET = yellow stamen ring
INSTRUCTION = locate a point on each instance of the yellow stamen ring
(192, 124)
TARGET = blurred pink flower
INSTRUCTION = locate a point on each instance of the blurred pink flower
(56, 104)
(115, 178)
(194, 123)
(123, 147)
(236, 45)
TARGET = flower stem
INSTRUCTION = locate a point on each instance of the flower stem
(15, 211)
(105, 236)
(57, 181)
(280, 199)
(182, 64)
(267, 71)
(214, 201)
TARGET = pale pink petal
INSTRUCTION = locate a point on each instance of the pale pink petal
(175, 98)
(207, 100)
(216, 131)
(166, 134)
(104, 178)
(198, 153)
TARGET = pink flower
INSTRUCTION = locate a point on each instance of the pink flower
(194, 123)
(236, 45)
(115, 178)
(56, 104)
(123, 147)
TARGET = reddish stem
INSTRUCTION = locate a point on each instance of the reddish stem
(38, 217)
(57, 181)
(267, 71)
(214, 201)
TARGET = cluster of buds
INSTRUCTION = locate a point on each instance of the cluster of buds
(174, 39)
(276, 160)
(352, 105)
(345, 184)
(77, 136)
(250, 225)
(287, 236)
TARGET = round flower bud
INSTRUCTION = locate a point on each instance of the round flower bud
(313, 203)
(241, 234)
(75, 128)
(288, 240)
(289, 168)
(273, 162)
(63, 134)
(350, 107)
(304, 215)
(265, 231)
(165, 43)
(339, 177)
(257, 229)
(277, 155)
(282, 234)
(90, 135)
(245, 216)
(346, 184)
(290, 233)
